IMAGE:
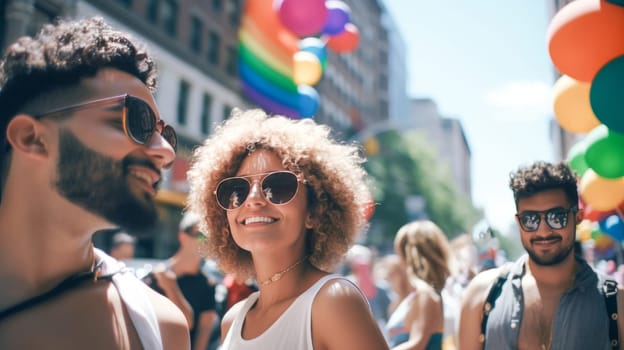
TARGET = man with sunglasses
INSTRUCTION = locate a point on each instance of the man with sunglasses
(184, 279)
(549, 298)
(82, 150)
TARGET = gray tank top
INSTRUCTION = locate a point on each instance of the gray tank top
(580, 322)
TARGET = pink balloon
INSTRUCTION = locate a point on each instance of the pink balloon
(302, 17)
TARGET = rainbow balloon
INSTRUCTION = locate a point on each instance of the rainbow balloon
(278, 69)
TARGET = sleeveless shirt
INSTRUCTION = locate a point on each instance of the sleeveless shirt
(397, 331)
(580, 321)
(132, 293)
(292, 330)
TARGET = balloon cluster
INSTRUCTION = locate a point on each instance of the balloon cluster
(586, 44)
(283, 51)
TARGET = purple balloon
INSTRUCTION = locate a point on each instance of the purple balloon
(338, 14)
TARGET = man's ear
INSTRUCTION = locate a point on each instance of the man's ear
(580, 215)
(26, 135)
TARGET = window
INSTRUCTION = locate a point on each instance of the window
(226, 111)
(217, 5)
(152, 11)
(234, 12)
(127, 3)
(170, 16)
(183, 95)
(205, 114)
(214, 41)
(231, 66)
(196, 34)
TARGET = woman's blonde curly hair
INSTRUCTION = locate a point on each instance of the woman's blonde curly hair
(337, 190)
(425, 250)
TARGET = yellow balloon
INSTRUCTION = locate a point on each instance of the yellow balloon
(307, 68)
(600, 193)
(572, 107)
(583, 230)
(371, 146)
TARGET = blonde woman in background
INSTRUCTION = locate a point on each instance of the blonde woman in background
(418, 321)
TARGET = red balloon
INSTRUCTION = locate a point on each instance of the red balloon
(345, 41)
(584, 35)
(595, 215)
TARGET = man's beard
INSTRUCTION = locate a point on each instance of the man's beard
(552, 260)
(100, 185)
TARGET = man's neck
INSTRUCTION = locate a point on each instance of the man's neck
(40, 246)
(555, 276)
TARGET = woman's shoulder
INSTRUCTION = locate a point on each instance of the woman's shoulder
(342, 317)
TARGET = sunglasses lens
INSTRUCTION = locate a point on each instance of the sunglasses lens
(280, 187)
(170, 136)
(140, 120)
(557, 219)
(529, 221)
(231, 193)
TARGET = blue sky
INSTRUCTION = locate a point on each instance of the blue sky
(486, 63)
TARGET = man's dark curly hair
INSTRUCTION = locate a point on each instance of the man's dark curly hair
(541, 176)
(60, 56)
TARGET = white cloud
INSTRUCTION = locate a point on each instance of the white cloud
(527, 100)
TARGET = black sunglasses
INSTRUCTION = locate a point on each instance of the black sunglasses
(278, 187)
(138, 119)
(555, 218)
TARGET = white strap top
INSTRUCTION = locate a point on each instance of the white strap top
(292, 330)
(132, 292)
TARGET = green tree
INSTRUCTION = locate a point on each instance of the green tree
(404, 165)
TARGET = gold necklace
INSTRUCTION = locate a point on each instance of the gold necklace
(278, 275)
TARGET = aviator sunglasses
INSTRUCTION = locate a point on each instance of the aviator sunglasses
(138, 119)
(555, 218)
(278, 187)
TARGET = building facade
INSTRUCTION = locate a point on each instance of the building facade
(447, 137)
(561, 140)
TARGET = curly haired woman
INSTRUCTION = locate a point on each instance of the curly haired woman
(418, 321)
(281, 201)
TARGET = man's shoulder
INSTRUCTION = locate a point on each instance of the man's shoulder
(165, 309)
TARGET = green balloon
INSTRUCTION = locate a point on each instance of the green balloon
(617, 2)
(605, 152)
(595, 233)
(576, 158)
(607, 95)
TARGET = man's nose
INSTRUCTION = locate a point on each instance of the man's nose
(160, 151)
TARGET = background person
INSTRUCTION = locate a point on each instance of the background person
(122, 246)
(282, 202)
(182, 279)
(71, 101)
(418, 321)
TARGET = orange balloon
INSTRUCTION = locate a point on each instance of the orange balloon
(600, 193)
(264, 20)
(571, 105)
(584, 35)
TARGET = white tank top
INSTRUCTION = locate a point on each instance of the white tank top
(291, 331)
(132, 292)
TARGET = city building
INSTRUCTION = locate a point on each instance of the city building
(447, 137)
(561, 140)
